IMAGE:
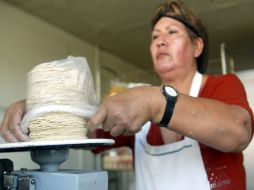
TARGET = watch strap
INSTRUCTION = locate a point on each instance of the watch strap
(170, 105)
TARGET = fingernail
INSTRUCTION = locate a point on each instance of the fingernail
(99, 126)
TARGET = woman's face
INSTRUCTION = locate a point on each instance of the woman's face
(173, 52)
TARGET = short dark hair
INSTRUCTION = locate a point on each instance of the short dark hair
(177, 10)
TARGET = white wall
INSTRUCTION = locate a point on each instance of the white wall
(27, 41)
(247, 77)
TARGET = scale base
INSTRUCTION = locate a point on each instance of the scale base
(49, 155)
(63, 179)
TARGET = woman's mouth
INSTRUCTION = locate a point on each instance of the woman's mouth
(161, 55)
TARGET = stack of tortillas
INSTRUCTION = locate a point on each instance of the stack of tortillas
(57, 92)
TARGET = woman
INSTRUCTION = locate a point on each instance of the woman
(220, 119)
(187, 134)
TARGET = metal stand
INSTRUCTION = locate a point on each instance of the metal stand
(50, 160)
(51, 178)
(49, 156)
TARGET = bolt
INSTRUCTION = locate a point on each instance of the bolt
(32, 181)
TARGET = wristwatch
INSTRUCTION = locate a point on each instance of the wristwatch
(171, 96)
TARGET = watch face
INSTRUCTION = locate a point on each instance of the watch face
(170, 91)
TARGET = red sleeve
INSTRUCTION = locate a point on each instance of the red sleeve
(228, 89)
(119, 141)
(225, 170)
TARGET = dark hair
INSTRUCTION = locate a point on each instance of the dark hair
(179, 11)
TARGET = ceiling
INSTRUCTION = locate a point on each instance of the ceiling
(122, 27)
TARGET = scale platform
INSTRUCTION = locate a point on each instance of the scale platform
(58, 144)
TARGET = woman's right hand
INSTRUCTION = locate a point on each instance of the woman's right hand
(10, 127)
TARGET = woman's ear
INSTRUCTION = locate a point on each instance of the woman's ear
(199, 46)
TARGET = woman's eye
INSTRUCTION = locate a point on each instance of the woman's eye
(172, 31)
(154, 37)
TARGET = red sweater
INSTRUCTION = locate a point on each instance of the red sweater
(225, 171)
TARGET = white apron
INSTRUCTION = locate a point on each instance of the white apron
(174, 166)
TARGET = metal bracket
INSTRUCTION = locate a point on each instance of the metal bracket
(14, 182)
(226, 58)
(6, 166)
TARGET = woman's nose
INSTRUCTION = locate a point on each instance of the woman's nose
(162, 42)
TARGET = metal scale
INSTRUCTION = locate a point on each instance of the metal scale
(49, 155)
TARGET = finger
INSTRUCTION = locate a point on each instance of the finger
(4, 129)
(19, 135)
(128, 133)
(133, 129)
(108, 124)
(8, 136)
(14, 127)
(116, 131)
(11, 121)
(91, 134)
(98, 118)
